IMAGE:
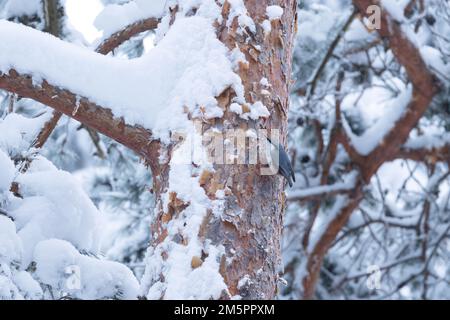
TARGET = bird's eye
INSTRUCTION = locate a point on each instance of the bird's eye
(305, 159)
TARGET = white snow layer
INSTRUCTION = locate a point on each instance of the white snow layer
(373, 136)
(181, 280)
(115, 17)
(53, 206)
(274, 12)
(86, 277)
(17, 8)
(7, 172)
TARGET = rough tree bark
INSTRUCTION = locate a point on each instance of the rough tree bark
(250, 227)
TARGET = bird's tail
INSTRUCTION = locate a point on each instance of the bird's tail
(289, 180)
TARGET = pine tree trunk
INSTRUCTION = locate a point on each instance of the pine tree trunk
(249, 228)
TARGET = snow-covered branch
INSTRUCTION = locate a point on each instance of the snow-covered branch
(101, 119)
(119, 37)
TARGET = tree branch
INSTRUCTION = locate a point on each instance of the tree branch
(130, 31)
(429, 155)
(425, 86)
(96, 117)
(107, 46)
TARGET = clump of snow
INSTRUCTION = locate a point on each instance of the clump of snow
(264, 82)
(435, 60)
(239, 11)
(85, 277)
(237, 56)
(54, 205)
(274, 12)
(347, 184)
(257, 110)
(204, 282)
(14, 284)
(267, 26)
(428, 140)
(7, 172)
(17, 132)
(8, 291)
(236, 108)
(29, 287)
(373, 136)
(17, 8)
(244, 281)
(10, 244)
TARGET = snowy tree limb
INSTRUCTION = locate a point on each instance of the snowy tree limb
(429, 155)
(118, 38)
(425, 86)
(107, 46)
(96, 117)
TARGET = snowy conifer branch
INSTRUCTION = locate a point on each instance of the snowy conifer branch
(107, 46)
(425, 86)
(101, 119)
(130, 31)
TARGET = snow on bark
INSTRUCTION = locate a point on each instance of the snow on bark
(218, 224)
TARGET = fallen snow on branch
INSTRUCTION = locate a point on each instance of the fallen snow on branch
(153, 91)
(373, 136)
(86, 277)
(115, 17)
(323, 190)
(54, 206)
(52, 210)
(429, 140)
